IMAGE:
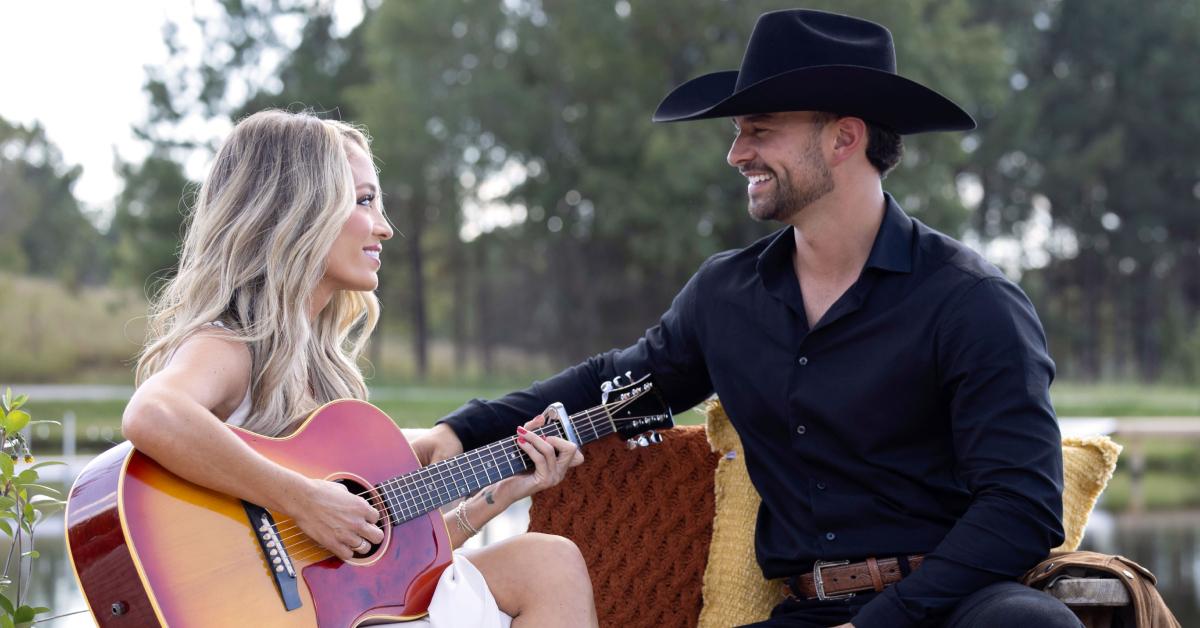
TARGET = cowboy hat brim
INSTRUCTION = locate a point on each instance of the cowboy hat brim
(888, 99)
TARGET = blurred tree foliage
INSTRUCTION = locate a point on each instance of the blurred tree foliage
(1104, 137)
(540, 208)
(43, 229)
(147, 225)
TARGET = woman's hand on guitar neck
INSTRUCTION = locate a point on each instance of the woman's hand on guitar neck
(552, 457)
(335, 519)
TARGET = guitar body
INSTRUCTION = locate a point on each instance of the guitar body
(149, 547)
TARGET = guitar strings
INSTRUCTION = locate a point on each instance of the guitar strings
(438, 473)
(307, 549)
(507, 446)
(443, 478)
(302, 549)
(375, 498)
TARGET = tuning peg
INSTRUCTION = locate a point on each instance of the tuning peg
(606, 387)
(644, 440)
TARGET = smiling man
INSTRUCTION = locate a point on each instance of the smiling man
(890, 386)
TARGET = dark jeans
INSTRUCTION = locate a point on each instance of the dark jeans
(995, 606)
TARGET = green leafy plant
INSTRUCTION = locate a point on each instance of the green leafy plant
(24, 503)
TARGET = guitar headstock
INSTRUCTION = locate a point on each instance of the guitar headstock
(636, 407)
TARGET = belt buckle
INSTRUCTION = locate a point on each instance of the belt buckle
(819, 584)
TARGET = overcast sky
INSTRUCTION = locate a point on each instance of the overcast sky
(77, 66)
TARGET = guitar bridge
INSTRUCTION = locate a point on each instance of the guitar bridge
(275, 554)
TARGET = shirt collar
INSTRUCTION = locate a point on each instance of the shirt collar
(892, 250)
(893, 245)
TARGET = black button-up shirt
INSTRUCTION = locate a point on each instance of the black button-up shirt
(914, 417)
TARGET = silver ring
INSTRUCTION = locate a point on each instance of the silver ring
(362, 546)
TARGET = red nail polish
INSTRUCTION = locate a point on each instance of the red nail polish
(521, 430)
(521, 439)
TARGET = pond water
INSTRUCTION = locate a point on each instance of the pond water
(1167, 543)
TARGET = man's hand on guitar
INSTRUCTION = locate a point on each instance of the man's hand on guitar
(551, 458)
(438, 443)
(338, 521)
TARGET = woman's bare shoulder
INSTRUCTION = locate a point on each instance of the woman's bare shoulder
(214, 347)
(211, 366)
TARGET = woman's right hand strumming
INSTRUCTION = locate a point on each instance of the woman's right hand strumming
(343, 523)
(170, 419)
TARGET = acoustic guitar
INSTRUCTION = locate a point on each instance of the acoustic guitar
(150, 548)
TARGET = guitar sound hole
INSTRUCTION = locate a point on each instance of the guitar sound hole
(374, 499)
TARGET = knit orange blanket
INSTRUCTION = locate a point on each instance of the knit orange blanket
(643, 520)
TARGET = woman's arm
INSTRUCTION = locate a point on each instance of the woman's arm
(551, 457)
(171, 419)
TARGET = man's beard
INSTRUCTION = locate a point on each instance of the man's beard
(788, 200)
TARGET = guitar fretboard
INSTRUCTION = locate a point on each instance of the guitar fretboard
(413, 494)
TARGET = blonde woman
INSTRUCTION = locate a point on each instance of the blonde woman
(263, 323)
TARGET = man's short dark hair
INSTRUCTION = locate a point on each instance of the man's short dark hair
(885, 147)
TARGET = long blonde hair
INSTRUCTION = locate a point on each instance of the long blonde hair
(274, 201)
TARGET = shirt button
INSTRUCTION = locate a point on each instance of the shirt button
(829, 536)
(820, 486)
(802, 361)
(800, 429)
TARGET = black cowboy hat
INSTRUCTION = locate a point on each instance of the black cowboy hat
(803, 60)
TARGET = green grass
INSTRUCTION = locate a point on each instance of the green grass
(1171, 466)
(98, 422)
(49, 332)
(419, 406)
(1124, 399)
(1160, 491)
(99, 413)
(52, 333)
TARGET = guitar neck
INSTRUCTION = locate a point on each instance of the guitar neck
(413, 494)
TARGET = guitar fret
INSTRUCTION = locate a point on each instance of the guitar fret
(406, 497)
(592, 427)
(414, 494)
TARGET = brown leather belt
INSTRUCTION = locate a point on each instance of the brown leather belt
(839, 580)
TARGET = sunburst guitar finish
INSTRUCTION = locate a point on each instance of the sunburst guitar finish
(150, 548)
